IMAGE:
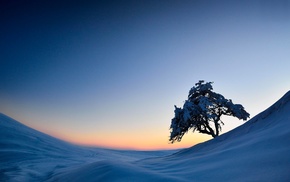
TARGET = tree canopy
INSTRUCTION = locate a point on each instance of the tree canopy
(202, 112)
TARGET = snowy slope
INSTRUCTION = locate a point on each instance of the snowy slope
(29, 155)
(259, 150)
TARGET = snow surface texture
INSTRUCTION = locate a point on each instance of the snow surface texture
(259, 150)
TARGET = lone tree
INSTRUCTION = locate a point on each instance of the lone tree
(202, 111)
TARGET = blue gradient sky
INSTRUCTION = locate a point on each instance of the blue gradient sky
(109, 73)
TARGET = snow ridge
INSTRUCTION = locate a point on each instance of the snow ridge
(29, 155)
(276, 107)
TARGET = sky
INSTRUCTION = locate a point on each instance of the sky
(108, 73)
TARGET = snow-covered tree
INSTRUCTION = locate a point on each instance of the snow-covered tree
(202, 112)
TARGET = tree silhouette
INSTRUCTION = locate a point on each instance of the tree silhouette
(202, 112)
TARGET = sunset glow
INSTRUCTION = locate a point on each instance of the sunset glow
(108, 74)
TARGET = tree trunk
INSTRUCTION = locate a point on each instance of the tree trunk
(216, 128)
(216, 124)
(211, 131)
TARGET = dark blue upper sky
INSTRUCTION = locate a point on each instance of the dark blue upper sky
(97, 68)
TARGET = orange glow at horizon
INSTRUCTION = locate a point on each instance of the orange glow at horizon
(142, 140)
(127, 142)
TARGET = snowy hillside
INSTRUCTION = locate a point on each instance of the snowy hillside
(259, 150)
(29, 155)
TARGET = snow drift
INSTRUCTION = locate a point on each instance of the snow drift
(29, 155)
(259, 150)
